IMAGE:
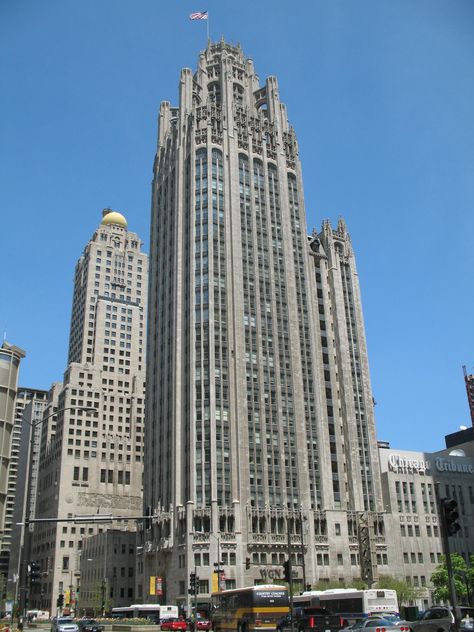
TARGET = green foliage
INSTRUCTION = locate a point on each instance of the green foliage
(359, 584)
(406, 593)
(463, 579)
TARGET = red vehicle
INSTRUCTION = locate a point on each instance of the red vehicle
(174, 624)
(202, 624)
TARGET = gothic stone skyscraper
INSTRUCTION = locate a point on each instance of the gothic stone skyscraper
(259, 405)
(91, 462)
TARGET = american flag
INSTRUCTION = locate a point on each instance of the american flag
(199, 15)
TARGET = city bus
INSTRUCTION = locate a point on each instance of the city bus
(153, 611)
(247, 609)
(350, 603)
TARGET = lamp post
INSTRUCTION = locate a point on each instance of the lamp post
(103, 582)
(218, 565)
(26, 553)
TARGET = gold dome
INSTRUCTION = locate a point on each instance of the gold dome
(112, 217)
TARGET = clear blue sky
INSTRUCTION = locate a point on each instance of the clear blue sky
(381, 94)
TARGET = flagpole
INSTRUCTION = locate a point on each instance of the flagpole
(207, 26)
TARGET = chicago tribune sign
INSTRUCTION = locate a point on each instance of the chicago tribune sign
(409, 465)
(399, 463)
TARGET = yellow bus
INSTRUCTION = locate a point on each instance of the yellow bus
(256, 608)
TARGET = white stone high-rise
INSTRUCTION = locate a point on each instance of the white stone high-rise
(22, 477)
(91, 462)
(259, 404)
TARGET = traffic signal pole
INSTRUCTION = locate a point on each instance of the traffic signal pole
(450, 526)
(196, 594)
(290, 576)
(25, 588)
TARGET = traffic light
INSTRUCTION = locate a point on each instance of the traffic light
(35, 572)
(193, 584)
(287, 571)
(60, 600)
(247, 563)
(451, 515)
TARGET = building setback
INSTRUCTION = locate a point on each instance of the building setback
(259, 414)
(91, 460)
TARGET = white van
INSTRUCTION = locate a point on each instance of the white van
(37, 615)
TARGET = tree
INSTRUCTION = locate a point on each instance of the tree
(463, 574)
(406, 593)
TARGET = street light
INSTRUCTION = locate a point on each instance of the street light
(218, 565)
(25, 557)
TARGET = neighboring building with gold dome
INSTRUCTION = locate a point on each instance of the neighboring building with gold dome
(92, 461)
(110, 217)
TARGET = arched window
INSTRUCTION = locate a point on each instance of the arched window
(238, 94)
(214, 91)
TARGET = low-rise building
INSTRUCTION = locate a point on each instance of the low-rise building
(413, 483)
(107, 573)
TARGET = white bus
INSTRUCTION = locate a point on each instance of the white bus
(153, 611)
(350, 603)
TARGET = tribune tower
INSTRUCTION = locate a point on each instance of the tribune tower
(259, 410)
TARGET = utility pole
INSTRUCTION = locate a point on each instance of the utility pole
(218, 565)
(193, 590)
(302, 549)
(450, 526)
(288, 572)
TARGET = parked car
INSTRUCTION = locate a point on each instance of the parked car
(174, 624)
(347, 628)
(395, 619)
(378, 624)
(312, 619)
(199, 623)
(441, 619)
(64, 624)
(89, 625)
(436, 619)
